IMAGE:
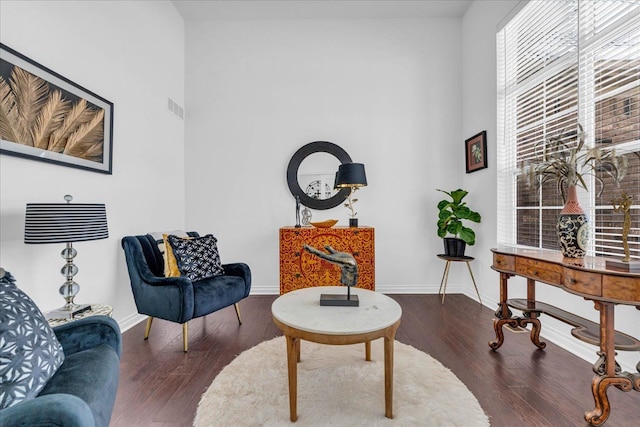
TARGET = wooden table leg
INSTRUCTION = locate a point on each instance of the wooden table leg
(536, 326)
(503, 314)
(388, 374)
(601, 383)
(293, 345)
(367, 351)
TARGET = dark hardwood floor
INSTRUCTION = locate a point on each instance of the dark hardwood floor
(518, 385)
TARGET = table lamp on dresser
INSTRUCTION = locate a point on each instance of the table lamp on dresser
(351, 175)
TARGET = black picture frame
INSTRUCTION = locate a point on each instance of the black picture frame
(66, 124)
(475, 151)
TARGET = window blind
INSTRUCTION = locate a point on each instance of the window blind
(562, 63)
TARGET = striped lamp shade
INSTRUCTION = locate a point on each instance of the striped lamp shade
(65, 222)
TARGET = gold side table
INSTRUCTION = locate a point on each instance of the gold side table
(96, 310)
(445, 275)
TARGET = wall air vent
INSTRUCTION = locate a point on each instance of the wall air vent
(175, 109)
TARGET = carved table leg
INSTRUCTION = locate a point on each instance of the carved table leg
(533, 316)
(503, 314)
(535, 331)
(505, 317)
(635, 379)
(515, 322)
(497, 327)
(599, 387)
(600, 367)
(610, 372)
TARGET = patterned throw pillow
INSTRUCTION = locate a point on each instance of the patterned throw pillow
(29, 351)
(197, 258)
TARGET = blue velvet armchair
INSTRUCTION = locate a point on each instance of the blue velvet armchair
(82, 391)
(178, 299)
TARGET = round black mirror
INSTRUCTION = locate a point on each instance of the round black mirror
(318, 193)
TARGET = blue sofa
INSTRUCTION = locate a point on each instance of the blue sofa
(82, 392)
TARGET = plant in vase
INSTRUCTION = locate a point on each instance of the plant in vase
(450, 222)
(566, 161)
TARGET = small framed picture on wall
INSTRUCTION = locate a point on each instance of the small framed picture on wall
(475, 150)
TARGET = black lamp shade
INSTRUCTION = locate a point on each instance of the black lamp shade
(65, 222)
(351, 175)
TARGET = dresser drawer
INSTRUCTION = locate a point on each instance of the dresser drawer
(504, 262)
(621, 288)
(538, 270)
(583, 282)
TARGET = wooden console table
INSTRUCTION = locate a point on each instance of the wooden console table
(589, 279)
(299, 269)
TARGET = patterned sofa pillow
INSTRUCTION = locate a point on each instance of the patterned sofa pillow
(29, 351)
(197, 257)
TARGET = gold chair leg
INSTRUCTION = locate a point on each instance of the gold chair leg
(185, 336)
(237, 307)
(148, 328)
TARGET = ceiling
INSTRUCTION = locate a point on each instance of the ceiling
(192, 10)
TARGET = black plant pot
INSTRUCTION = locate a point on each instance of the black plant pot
(353, 222)
(454, 247)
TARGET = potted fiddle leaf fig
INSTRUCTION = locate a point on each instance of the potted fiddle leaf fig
(452, 213)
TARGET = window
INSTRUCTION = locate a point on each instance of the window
(562, 63)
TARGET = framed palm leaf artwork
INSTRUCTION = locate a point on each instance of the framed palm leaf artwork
(47, 117)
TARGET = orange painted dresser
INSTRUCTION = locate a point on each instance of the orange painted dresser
(299, 269)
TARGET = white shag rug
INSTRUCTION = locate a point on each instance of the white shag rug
(337, 387)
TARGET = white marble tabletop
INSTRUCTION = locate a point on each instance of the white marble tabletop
(301, 310)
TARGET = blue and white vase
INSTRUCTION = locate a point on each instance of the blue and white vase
(573, 227)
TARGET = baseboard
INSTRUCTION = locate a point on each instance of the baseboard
(414, 289)
(131, 321)
(264, 290)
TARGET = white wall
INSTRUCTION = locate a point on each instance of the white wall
(387, 91)
(131, 53)
(479, 113)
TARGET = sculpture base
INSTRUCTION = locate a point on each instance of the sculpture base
(339, 300)
(629, 267)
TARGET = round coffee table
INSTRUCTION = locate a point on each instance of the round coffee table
(300, 317)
